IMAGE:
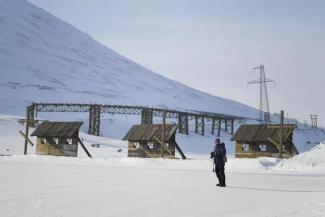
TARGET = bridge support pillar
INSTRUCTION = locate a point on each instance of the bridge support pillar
(214, 124)
(199, 124)
(94, 120)
(226, 125)
(183, 123)
(232, 127)
(146, 116)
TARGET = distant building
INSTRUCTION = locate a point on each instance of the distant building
(142, 142)
(252, 142)
(57, 138)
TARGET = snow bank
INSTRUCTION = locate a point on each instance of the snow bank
(310, 160)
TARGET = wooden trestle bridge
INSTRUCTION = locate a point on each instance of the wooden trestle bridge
(146, 113)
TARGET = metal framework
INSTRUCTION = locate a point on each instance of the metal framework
(313, 121)
(146, 113)
(214, 124)
(146, 116)
(94, 120)
(199, 125)
(183, 123)
(264, 99)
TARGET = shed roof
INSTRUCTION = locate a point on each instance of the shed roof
(57, 129)
(260, 133)
(146, 133)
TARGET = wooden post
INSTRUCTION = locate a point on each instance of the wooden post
(213, 125)
(280, 127)
(163, 134)
(196, 124)
(219, 127)
(84, 147)
(281, 131)
(26, 131)
(21, 133)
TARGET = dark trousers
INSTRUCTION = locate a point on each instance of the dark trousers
(220, 172)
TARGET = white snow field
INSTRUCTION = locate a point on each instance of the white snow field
(110, 184)
(82, 187)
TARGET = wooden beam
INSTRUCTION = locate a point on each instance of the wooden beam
(84, 147)
(284, 127)
(279, 147)
(213, 125)
(21, 133)
(163, 145)
(26, 130)
(163, 133)
(281, 132)
(145, 151)
(24, 121)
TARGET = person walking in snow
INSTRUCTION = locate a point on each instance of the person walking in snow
(219, 161)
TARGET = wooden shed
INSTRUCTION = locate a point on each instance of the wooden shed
(58, 138)
(142, 142)
(252, 141)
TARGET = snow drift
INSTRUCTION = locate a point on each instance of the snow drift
(310, 160)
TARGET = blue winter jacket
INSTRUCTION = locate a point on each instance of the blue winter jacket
(220, 152)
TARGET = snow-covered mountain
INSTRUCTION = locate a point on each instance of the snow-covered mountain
(43, 58)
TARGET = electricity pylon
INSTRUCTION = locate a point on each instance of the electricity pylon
(264, 99)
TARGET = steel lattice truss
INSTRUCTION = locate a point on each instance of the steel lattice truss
(264, 116)
(146, 113)
(125, 109)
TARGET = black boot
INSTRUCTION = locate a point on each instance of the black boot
(223, 183)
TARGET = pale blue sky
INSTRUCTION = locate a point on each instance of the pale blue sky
(221, 37)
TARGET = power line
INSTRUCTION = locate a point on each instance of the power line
(214, 85)
(194, 72)
(41, 53)
(296, 99)
(34, 70)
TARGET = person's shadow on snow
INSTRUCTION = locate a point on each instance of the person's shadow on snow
(280, 190)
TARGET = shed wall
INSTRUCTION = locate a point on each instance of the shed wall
(254, 152)
(63, 148)
(145, 152)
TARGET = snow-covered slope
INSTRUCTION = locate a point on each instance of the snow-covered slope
(45, 59)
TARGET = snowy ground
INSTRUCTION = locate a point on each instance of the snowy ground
(110, 184)
(58, 186)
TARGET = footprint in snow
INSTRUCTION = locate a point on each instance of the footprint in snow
(39, 203)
